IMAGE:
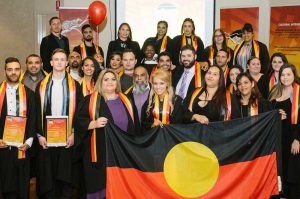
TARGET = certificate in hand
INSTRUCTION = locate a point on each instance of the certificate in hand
(57, 128)
(14, 130)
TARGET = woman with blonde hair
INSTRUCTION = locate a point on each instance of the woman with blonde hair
(285, 97)
(163, 106)
(107, 103)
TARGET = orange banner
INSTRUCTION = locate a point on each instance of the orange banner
(14, 130)
(285, 33)
(233, 19)
(57, 131)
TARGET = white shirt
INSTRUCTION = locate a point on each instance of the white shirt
(57, 97)
(12, 105)
(75, 76)
(188, 79)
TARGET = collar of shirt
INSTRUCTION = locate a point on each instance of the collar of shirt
(190, 70)
(12, 88)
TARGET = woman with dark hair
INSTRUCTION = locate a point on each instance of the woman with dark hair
(163, 106)
(115, 62)
(285, 97)
(107, 103)
(150, 59)
(89, 73)
(209, 103)
(234, 71)
(277, 60)
(218, 42)
(254, 68)
(250, 102)
(161, 41)
(187, 37)
(124, 41)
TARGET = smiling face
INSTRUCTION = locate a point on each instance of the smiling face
(245, 86)
(187, 58)
(218, 37)
(33, 65)
(248, 36)
(88, 68)
(124, 32)
(149, 52)
(277, 63)
(115, 62)
(287, 77)
(188, 28)
(164, 62)
(159, 86)
(233, 74)
(254, 66)
(161, 29)
(109, 83)
(212, 77)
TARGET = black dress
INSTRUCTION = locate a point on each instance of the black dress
(263, 86)
(290, 162)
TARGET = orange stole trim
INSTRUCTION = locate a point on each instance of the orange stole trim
(194, 95)
(272, 81)
(226, 73)
(165, 111)
(72, 102)
(163, 46)
(83, 50)
(228, 100)
(295, 104)
(198, 80)
(120, 74)
(256, 48)
(152, 71)
(194, 42)
(42, 91)
(211, 55)
(128, 89)
(254, 109)
(85, 90)
(92, 113)
(127, 104)
(2, 94)
(237, 48)
(22, 113)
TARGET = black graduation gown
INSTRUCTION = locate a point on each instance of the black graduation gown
(54, 163)
(290, 163)
(126, 82)
(176, 75)
(14, 172)
(176, 47)
(48, 45)
(157, 43)
(90, 51)
(176, 117)
(263, 86)
(207, 51)
(95, 173)
(120, 46)
(263, 57)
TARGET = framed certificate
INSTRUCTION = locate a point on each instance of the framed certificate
(14, 130)
(57, 128)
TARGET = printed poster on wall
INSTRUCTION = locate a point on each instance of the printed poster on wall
(232, 21)
(285, 33)
(72, 21)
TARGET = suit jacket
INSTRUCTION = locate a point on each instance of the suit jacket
(48, 45)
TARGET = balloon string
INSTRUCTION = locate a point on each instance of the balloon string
(98, 35)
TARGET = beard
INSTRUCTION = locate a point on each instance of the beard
(189, 65)
(88, 39)
(140, 87)
(13, 78)
(35, 69)
(75, 64)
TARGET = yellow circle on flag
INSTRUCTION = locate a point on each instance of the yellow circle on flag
(191, 169)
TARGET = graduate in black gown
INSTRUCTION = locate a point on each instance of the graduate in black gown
(150, 58)
(123, 42)
(254, 68)
(15, 100)
(161, 41)
(285, 97)
(250, 102)
(234, 71)
(106, 104)
(277, 60)
(115, 62)
(163, 107)
(210, 103)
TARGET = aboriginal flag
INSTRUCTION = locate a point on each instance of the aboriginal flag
(234, 159)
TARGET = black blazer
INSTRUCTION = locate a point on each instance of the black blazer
(48, 45)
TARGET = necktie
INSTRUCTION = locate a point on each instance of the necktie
(181, 92)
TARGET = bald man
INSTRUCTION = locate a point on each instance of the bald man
(74, 60)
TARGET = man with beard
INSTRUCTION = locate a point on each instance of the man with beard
(74, 60)
(126, 78)
(51, 42)
(222, 60)
(34, 72)
(190, 76)
(140, 90)
(88, 47)
(17, 111)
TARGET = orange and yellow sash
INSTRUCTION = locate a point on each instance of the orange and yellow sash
(85, 89)
(254, 108)
(44, 86)
(194, 95)
(120, 74)
(272, 81)
(226, 73)
(228, 100)
(198, 80)
(194, 42)
(164, 43)
(255, 48)
(83, 50)
(127, 104)
(128, 90)
(152, 71)
(92, 114)
(22, 106)
(165, 111)
(211, 55)
(295, 103)
(231, 88)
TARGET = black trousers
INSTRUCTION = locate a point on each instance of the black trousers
(62, 190)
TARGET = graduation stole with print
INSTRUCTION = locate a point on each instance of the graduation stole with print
(166, 109)
(272, 82)
(71, 95)
(254, 108)
(94, 105)
(85, 89)
(151, 73)
(164, 43)
(228, 100)
(22, 108)
(295, 103)
(194, 42)
(255, 45)
(194, 95)
(198, 76)
(231, 88)
(83, 50)
(226, 73)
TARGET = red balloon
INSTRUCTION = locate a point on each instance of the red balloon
(97, 12)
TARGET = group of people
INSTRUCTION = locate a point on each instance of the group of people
(169, 81)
